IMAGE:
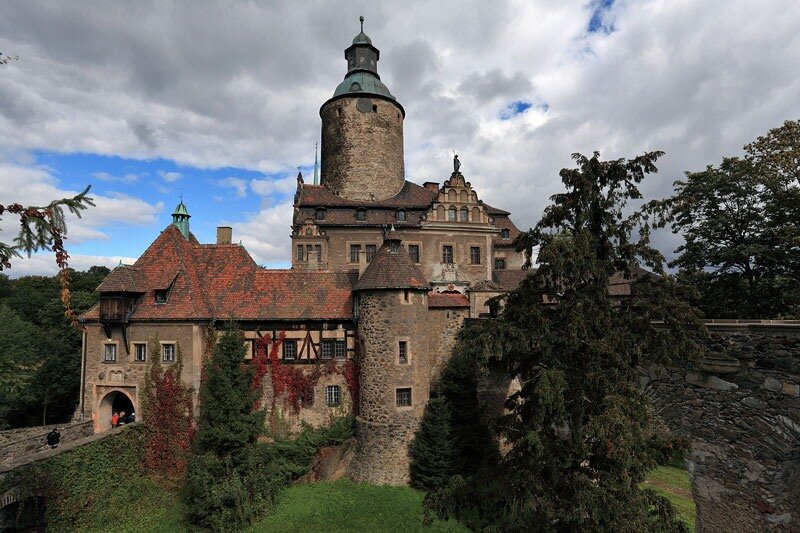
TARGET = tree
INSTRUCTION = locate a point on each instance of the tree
(45, 228)
(18, 358)
(577, 430)
(741, 225)
(431, 450)
(221, 491)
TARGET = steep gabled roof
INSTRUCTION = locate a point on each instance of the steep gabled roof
(206, 281)
(392, 268)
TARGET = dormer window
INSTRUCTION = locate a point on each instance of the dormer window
(161, 296)
(361, 214)
(400, 215)
(320, 214)
(505, 234)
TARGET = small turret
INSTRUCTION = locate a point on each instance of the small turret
(181, 218)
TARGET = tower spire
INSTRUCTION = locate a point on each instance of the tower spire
(316, 164)
(181, 217)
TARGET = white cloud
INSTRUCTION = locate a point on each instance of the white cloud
(110, 209)
(127, 178)
(266, 234)
(170, 177)
(224, 85)
(43, 264)
(237, 184)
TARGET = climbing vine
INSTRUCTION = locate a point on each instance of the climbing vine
(167, 408)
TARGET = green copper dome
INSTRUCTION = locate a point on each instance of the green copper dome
(181, 210)
(361, 82)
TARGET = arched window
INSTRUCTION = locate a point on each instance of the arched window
(320, 214)
(464, 197)
(400, 215)
(451, 213)
(361, 214)
(464, 214)
(440, 212)
(451, 195)
(476, 214)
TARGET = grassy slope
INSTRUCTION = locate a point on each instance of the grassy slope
(329, 507)
(673, 483)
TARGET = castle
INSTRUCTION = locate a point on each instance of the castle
(384, 272)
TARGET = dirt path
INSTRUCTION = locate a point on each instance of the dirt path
(669, 488)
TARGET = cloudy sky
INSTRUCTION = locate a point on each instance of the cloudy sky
(220, 101)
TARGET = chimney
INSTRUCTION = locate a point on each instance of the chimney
(362, 262)
(431, 186)
(224, 235)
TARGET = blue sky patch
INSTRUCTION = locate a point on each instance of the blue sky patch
(598, 22)
(514, 108)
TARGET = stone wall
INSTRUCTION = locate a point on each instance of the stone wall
(16, 443)
(362, 148)
(740, 410)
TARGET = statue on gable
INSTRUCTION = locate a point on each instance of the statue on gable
(299, 179)
(456, 163)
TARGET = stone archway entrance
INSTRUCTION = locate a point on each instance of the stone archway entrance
(113, 402)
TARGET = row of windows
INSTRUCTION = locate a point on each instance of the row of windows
(333, 396)
(361, 214)
(329, 349)
(474, 254)
(309, 252)
(168, 351)
(356, 248)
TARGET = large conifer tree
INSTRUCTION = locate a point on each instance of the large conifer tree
(577, 428)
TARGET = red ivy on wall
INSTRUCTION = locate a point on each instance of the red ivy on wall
(289, 382)
(167, 408)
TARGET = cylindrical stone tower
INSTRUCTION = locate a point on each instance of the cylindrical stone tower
(394, 365)
(362, 131)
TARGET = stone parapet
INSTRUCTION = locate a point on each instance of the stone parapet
(22, 442)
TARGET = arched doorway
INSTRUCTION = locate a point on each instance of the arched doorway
(113, 402)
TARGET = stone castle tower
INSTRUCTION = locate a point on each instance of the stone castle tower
(362, 130)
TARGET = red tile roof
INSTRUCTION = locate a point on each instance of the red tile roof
(509, 280)
(392, 268)
(222, 281)
(439, 300)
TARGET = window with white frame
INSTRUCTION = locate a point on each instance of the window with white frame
(402, 352)
(140, 352)
(474, 255)
(333, 395)
(289, 350)
(110, 353)
(168, 352)
(447, 254)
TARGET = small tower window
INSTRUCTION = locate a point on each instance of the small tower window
(499, 263)
(464, 214)
(505, 234)
(402, 352)
(400, 215)
(403, 397)
(320, 214)
(374, 108)
(361, 214)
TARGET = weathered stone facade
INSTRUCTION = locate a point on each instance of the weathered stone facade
(740, 410)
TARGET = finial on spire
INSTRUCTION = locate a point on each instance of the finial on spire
(361, 20)
(316, 165)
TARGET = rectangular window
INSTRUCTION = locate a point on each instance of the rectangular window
(289, 350)
(371, 249)
(474, 255)
(249, 349)
(354, 249)
(403, 397)
(406, 296)
(140, 352)
(301, 253)
(326, 350)
(318, 250)
(402, 352)
(447, 254)
(340, 349)
(500, 263)
(413, 252)
(110, 353)
(333, 395)
(168, 353)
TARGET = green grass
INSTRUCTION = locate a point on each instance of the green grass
(673, 484)
(347, 506)
(324, 507)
